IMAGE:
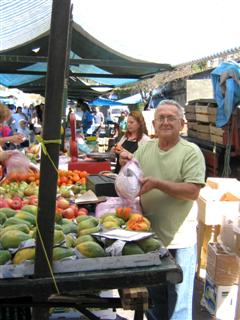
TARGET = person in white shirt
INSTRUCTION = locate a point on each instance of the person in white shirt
(25, 131)
(18, 115)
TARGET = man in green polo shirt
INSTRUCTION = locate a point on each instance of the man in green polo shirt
(174, 172)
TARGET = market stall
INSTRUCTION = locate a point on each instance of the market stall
(34, 284)
(92, 162)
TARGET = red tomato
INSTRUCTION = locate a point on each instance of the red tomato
(68, 213)
(81, 213)
(84, 209)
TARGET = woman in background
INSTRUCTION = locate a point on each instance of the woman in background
(6, 134)
(136, 133)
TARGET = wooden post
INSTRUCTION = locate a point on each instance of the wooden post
(57, 62)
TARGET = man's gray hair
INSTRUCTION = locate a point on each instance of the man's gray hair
(172, 103)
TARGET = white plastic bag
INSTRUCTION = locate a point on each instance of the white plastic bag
(128, 181)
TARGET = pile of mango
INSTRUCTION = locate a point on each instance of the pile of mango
(124, 216)
(72, 238)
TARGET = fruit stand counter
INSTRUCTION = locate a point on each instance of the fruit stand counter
(41, 292)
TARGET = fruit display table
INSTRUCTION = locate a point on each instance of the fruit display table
(91, 166)
(30, 291)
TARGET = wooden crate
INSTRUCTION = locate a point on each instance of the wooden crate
(212, 110)
(202, 109)
(208, 118)
(192, 125)
(203, 128)
(133, 297)
(217, 139)
(190, 116)
(216, 131)
(203, 135)
(202, 117)
(192, 133)
(190, 108)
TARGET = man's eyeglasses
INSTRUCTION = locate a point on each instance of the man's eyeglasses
(169, 119)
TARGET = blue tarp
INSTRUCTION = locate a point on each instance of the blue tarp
(104, 102)
(226, 87)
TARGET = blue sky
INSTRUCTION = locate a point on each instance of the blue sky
(170, 31)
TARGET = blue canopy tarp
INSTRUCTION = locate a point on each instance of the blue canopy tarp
(226, 87)
(105, 103)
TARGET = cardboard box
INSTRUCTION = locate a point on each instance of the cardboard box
(222, 267)
(227, 230)
(199, 89)
(211, 207)
(205, 234)
(221, 183)
(211, 211)
(220, 301)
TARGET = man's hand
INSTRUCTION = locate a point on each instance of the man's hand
(124, 157)
(148, 184)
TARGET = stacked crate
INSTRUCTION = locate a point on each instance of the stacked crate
(201, 118)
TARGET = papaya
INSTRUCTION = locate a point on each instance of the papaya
(105, 215)
(65, 221)
(113, 218)
(58, 218)
(22, 227)
(24, 215)
(70, 228)
(8, 212)
(58, 227)
(5, 256)
(31, 209)
(90, 249)
(110, 217)
(136, 216)
(62, 252)
(13, 238)
(123, 213)
(13, 220)
(89, 223)
(3, 217)
(149, 244)
(23, 255)
(70, 241)
(110, 225)
(138, 226)
(85, 238)
(138, 222)
(58, 236)
(88, 231)
(83, 218)
(131, 248)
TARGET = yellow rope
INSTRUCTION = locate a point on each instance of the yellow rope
(48, 262)
(44, 149)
